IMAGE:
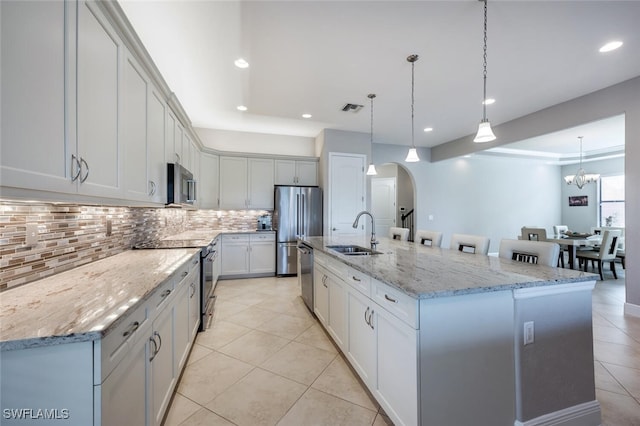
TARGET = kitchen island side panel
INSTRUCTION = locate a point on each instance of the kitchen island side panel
(555, 371)
(466, 360)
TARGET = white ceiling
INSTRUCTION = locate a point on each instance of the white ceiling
(315, 56)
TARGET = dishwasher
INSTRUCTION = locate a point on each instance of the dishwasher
(305, 273)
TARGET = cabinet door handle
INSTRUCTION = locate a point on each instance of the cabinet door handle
(131, 329)
(160, 340)
(83, 178)
(155, 348)
(75, 160)
(371, 319)
(184, 274)
(366, 316)
(390, 299)
(165, 293)
(193, 288)
(177, 158)
(356, 278)
(152, 187)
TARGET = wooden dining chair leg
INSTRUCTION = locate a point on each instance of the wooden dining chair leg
(600, 269)
(613, 269)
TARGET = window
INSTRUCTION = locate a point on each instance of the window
(612, 201)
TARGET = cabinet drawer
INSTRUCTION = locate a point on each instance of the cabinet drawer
(358, 280)
(399, 304)
(114, 346)
(235, 238)
(268, 236)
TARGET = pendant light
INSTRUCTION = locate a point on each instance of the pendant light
(581, 178)
(371, 171)
(412, 156)
(485, 134)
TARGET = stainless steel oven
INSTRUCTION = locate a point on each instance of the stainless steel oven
(208, 257)
(208, 274)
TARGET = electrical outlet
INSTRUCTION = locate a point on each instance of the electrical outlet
(32, 234)
(528, 333)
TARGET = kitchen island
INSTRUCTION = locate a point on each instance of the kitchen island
(442, 337)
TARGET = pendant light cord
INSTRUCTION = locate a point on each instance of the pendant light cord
(484, 73)
(371, 96)
(580, 137)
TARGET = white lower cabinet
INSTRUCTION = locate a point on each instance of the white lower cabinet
(361, 345)
(262, 253)
(161, 366)
(397, 368)
(123, 394)
(379, 340)
(248, 254)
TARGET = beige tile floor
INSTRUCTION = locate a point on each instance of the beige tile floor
(266, 361)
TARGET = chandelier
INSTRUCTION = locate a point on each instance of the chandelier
(581, 178)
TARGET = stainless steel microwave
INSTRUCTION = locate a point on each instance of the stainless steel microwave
(181, 187)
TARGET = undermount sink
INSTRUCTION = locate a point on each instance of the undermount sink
(353, 250)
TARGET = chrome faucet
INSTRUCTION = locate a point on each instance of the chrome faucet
(373, 226)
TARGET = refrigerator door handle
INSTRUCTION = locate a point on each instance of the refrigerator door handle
(297, 215)
(302, 208)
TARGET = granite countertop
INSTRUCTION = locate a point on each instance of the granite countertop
(86, 302)
(425, 272)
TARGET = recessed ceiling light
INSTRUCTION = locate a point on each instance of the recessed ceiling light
(489, 101)
(241, 108)
(428, 129)
(306, 115)
(612, 45)
(241, 63)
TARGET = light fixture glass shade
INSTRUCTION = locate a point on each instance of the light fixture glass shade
(485, 134)
(412, 156)
(371, 171)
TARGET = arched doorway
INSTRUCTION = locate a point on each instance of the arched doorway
(392, 199)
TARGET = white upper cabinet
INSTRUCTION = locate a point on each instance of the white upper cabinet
(208, 182)
(233, 182)
(99, 62)
(156, 164)
(33, 91)
(133, 130)
(246, 183)
(173, 146)
(296, 172)
(260, 188)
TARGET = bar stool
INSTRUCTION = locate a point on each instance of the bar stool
(428, 238)
(465, 243)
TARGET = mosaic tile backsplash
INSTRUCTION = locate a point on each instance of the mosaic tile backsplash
(70, 235)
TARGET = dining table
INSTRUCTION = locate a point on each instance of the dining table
(573, 242)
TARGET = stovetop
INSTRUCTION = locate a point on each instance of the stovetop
(168, 244)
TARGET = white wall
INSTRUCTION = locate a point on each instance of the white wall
(256, 143)
(480, 195)
(579, 218)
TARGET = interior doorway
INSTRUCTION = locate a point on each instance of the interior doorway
(392, 199)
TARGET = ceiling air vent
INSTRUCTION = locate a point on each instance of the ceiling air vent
(352, 107)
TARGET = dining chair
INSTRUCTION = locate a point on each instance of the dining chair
(465, 243)
(607, 253)
(401, 234)
(560, 229)
(428, 238)
(558, 232)
(536, 252)
(534, 234)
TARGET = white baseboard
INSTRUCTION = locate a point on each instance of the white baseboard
(586, 414)
(631, 309)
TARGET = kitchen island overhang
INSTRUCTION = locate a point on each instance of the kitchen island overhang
(468, 318)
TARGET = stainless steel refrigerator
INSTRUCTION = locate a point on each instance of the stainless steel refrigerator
(297, 213)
